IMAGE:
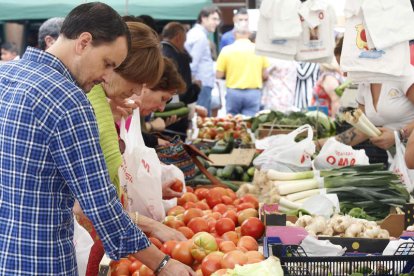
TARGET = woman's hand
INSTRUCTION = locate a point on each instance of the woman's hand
(171, 120)
(123, 107)
(385, 140)
(168, 192)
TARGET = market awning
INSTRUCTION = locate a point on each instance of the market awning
(159, 9)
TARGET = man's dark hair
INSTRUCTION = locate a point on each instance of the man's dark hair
(149, 21)
(50, 27)
(100, 20)
(240, 11)
(206, 11)
(172, 29)
(11, 47)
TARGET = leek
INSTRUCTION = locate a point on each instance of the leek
(358, 120)
(305, 194)
(294, 186)
(275, 175)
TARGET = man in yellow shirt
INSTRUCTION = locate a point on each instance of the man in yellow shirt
(244, 72)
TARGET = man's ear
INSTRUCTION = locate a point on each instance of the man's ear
(49, 41)
(83, 41)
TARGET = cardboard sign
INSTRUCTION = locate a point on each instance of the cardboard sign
(241, 157)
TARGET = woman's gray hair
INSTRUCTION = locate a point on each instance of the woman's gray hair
(50, 27)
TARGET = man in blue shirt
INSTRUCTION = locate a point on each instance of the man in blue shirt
(199, 47)
(50, 152)
(241, 21)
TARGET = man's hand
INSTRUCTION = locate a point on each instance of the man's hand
(165, 233)
(174, 268)
(385, 140)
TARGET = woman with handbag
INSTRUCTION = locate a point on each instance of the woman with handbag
(144, 64)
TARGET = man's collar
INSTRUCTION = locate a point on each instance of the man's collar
(39, 56)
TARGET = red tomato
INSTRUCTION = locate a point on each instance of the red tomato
(224, 225)
(220, 208)
(231, 193)
(145, 271)
(231, 236)
(236, 202)
(213, 198)
(210, 266)
(252, 227)
(216, 255)
(174, 223)
(121, 269)
(216, 215)
(189, 205)
(227, 200)
(136, 273)
(156, 242)
(198, 225)
(227, 246)
(231, 214)
(177, 186)
(254, 255)
(201, 193)
(202, 205)
(176, 210)
(221, 272)
(189, 189)
(189, 197)
(132, 258)
(136, 265)
(248, 198)
(221, 190)
(249, 243)
(187, 232)
(181, 253)
(168, 247)
(232, 258)
(243, 206)
(192, 213)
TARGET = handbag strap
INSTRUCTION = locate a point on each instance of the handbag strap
(194, 152)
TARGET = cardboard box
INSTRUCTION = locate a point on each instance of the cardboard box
(241, 157)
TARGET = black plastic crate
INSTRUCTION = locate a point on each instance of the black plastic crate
(295, 261)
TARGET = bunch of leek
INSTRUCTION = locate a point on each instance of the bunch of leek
(368, 187)
(357, 119)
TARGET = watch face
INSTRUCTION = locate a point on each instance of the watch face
(121, 145)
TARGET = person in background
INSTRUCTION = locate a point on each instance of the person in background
(58, 158)
(9, 51)
(240, 20)
(198, 46)
(307, 76)
(279, 89)
(244, 72)
(173, 40)
(49, 31)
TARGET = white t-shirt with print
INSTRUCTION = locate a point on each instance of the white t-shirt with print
(394, 110)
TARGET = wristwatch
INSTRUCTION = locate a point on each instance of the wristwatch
(162, 264)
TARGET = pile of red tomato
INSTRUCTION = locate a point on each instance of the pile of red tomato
(222, 231)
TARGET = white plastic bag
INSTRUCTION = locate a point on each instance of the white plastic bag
(284, 154)
(83, 243)
(140, 173)
(399, 167)
(334, 154)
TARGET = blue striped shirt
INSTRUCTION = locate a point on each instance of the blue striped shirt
(50, 155)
